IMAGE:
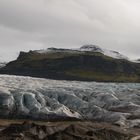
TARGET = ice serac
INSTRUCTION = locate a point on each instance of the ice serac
(27, 97)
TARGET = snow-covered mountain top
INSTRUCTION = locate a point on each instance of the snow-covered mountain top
(55, 50)
(87, 48)
(95, 48)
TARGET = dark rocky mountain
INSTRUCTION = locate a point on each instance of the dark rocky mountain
(90, 63)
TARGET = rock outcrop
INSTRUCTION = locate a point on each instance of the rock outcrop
(69, 131)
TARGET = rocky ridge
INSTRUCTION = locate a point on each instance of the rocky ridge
(89, 63)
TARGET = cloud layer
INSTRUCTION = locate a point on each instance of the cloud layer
(36, 24)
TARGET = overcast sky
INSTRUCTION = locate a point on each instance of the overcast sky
(37, 24)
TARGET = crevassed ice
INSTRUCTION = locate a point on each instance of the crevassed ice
(112, 102)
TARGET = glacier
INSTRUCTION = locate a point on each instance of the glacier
(38, 98)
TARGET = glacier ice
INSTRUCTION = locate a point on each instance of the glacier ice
(21, 96)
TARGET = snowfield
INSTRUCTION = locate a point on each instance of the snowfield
(118, 103)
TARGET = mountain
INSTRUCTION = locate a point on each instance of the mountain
(89, 63)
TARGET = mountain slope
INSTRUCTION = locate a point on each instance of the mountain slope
(87, 63)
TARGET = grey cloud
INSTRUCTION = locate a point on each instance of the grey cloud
(36, 24)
